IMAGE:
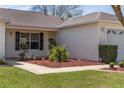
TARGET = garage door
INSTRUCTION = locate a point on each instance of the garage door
(116, 37)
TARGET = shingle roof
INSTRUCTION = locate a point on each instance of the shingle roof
(28, 18)
(90, 18)
(33, 19)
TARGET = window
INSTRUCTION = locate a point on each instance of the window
(31, 39)
(24, 38)
(115, 32)
(35, 41)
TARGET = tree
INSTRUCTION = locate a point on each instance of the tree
(63, 11)
(118, 12)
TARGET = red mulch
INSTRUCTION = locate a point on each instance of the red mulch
(69, 63)
(114, 69)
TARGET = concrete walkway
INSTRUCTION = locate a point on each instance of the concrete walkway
(45, 70)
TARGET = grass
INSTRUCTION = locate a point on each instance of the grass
(12, 77)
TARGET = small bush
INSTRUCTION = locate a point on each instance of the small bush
(23, 46)
(2, 62)
(121, 64)
(58, 54)
(22, 54)
(108, 53)
(112, 64)
(52, 43)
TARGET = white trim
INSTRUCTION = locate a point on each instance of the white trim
(4, 20)
(31, 40)
(105, 32)
(2, 40)
(118, 28)
(109, 21)
(75, 25)
(31, 28)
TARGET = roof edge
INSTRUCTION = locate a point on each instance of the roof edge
(30, 28)
(61, 27)
(106, 21)
(4, 20)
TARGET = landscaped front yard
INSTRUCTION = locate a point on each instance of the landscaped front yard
(68, 63)
(15, 77)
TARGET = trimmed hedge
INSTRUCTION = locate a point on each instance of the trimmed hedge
(108, 53)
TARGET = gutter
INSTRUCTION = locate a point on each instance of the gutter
(4, 20)
(30, 28)
(73, 25)
(79, 24)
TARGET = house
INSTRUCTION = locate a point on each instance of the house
(81, 35)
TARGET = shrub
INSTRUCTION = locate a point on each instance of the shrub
(52, 43)
(121, 64)
(108, 53)
(2, 62)
(23, 46)
(22, 54)
(112, 64)
(58, 54)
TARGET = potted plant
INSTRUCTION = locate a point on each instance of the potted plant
(121, 64)
(112, 65)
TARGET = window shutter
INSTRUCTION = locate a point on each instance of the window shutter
(17, 40)
(41, 41)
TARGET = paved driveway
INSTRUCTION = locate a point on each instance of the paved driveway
(45, 70)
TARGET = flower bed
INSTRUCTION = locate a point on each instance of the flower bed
(69, 63)
(114, 69)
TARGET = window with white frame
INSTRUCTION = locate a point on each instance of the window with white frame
(35, 41)
(31, 39)
(24, 38)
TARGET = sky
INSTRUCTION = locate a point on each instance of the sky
(86, 8)
(97, 8)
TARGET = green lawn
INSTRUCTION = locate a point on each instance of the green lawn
(15, 77)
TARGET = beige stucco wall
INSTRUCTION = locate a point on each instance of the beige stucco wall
(10, 43)
(2, 40)
(81, 41)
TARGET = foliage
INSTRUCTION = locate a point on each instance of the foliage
(112, 64)
(108, 53)
(23, 48)
(2, 62)
(121, 64)
(58, 54)
(52, 43)
(62, 11)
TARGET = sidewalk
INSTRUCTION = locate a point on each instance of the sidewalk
(45, 70)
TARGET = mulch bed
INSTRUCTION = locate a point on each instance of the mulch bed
(69, 63)
(114, 69)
